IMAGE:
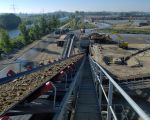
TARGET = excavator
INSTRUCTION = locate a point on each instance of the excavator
(121, 42)
(123, 45)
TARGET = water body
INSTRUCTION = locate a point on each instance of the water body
(13, 33)
(133, 38)
(103, 25)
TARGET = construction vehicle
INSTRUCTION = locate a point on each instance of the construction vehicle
(82, 30)
(121, 42)
(123, 45)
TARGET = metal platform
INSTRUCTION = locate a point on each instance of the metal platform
(87, 106)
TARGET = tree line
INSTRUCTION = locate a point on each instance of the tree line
(9, 21)
(77, 23)
(28, 35)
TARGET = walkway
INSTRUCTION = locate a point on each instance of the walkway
(87, 107)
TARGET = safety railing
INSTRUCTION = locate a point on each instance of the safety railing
(68, 46)
(65, 46)
(98, 73)
(72, 90)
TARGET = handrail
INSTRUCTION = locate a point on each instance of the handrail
(74, 84)
(65, 46)
(131, 102)
(70, 47)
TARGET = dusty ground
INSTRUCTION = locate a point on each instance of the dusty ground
(52, 52)
(130, 25)
(123, 72)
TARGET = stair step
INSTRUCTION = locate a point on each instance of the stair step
(88, 108)
(87, 116)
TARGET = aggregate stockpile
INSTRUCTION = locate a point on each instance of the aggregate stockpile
(18, 89)
(124, 64)
(97, 38)
(100, 38)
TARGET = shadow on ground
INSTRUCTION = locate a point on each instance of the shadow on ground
(46, 51)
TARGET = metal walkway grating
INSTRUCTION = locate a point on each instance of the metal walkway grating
(87, 107)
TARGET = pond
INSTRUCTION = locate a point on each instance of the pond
(13, 33)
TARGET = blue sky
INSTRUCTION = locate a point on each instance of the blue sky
(37, 6)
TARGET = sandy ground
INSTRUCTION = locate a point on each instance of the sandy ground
(123, 72)
(130, 26)
(52, 52)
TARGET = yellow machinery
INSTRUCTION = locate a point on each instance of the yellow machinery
(123, 45)
(121, 42)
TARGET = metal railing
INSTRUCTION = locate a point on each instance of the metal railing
(68, 46)
(98, 72)
(71, 91)
(65, 46)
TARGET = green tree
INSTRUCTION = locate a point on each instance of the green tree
(9, 21)
(72, 16)
(55, 22)
(49, 26)
(32, 34)
(73, 24)
(37, 31)
(5, 43)
(43, 25)
(17, 42)
(24, 33)
(77, 13)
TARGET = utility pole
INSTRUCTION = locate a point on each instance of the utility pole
(13, 7)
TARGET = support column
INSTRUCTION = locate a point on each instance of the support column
(110, 94)
(100, 90)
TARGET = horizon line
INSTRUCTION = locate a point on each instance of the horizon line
(72, 12)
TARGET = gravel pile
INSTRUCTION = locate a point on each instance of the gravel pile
(16, 90)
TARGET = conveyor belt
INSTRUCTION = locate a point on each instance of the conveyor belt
(18, 90)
